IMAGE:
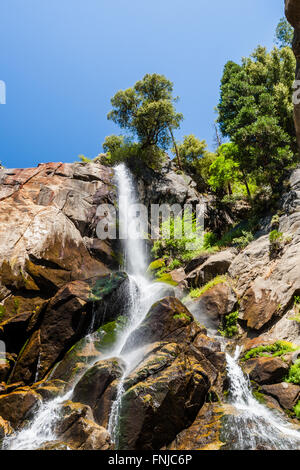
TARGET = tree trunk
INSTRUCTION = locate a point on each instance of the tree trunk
(176, 149)
(246, 184)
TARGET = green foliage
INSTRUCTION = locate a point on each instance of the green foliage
(260, 397)
(182, 316)
(256, 113)
(84, 159)
(297, 410)
(155, 265)
(195, 159)
(147, 111)
(177, 233)
(294, 374)
(112, 143)
(136, 156)
(278, 348)
(2, 312)
(275, 236)
(230, 326)
(284, 33)
(196, 293)
(175, 263)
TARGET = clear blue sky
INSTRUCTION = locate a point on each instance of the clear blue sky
(62, 61)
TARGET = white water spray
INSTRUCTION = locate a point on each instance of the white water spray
(254, 426)
(142, 293)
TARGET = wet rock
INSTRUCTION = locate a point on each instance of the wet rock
(266, 370)
(215, 303)
(78, 358)
(17, 406)
(96, 380)
(56, 445)
(26, 364)
(286, 394)
(215, 265)
(166, 320)
(49, 389)
(172, 377)
(5, 429)
(79, 430)
(204, 433)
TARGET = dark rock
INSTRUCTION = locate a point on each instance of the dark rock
(215, 265)
(266, 370)
(18, 405)
(286, 394)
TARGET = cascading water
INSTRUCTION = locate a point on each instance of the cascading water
(142, 293)
(252, 425)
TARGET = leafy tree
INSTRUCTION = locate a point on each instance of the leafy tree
(223, 171)
(195, 159)
(284, 33)
(112, 143)
(147, 111)
(256, 113)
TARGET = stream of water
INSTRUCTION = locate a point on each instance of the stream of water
(251, 426)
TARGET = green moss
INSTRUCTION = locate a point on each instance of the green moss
(182, 316)
(259, 396)
(294, 374)
(105, 285)
(196, 293)
(155, 265)
(278, 348)
(230, 326)
(166, 278)
(297, 410)
(16, 306)
(2, 312)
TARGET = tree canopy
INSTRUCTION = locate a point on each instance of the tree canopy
(256, 112)
(147, 111)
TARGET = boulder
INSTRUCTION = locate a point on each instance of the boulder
(166, 320)
(204, 433)
(78, 429)
(91, 387)
(19, 405)
(266, 370)
(215, 265)
(5, 429)
(212, 305)
(286, 394)
(178, 367)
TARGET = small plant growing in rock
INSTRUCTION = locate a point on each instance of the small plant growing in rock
(279, 348)
(294, 374)
(230, 326)
(275, 239)
(297, 410)
(296, 308)
(275, 221)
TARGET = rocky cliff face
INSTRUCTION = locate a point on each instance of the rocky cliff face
(292, 11)
(59, 282)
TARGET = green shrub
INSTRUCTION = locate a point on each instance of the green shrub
(196, 293)
(294, 374)
(275, 236)
(278, 348)
(230, 326)
(297, 410)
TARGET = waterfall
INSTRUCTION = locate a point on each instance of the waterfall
(252, 425)
(142, 293)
